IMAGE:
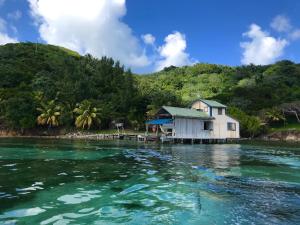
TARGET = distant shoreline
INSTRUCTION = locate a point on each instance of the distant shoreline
(288, 136)
(67, 136)
(113, 137)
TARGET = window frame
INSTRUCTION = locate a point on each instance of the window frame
(208, 125)
(220, 111)
(231, 126)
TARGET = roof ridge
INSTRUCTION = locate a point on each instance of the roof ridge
(185, 112)
(177, 107)
(212, 103)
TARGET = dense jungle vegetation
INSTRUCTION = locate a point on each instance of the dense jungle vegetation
(49, 86)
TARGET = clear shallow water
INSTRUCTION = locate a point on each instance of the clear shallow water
(65, 182)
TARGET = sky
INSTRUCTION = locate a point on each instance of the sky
(148, 35)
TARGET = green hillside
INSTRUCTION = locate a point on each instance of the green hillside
(33, 76)
(251, 88)
(42, 85)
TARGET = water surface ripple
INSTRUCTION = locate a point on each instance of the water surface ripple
(73, 182)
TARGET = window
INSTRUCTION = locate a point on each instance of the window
(169, 132)
(208, 125)
(220, 111)
(231, 126)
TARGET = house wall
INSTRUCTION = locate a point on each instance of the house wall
(198, 105)
(220, 125)
(236, 133)
(220, 130)
(190, 128)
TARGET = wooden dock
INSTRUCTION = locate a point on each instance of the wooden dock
(105, 136)
(150, 138)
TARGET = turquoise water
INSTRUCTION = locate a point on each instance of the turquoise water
(68, 182)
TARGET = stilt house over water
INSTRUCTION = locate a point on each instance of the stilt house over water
(205, 120)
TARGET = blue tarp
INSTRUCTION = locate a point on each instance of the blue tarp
(159, 121)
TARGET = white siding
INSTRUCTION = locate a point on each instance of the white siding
(220, 125)
(191, 129)
(236, 133)
(220, 122)
(198, 105)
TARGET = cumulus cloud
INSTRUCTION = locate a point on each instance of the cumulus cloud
(262, 49)
(281, 24)
(89, 26)
(172, 53)
(148, 39)
(4, 37)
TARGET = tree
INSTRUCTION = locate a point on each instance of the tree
(250, 125)
(50, 114)
(274, 115)
(292, 108)
(18, 112)
(86, 115)
(29, 71)
(253, 125)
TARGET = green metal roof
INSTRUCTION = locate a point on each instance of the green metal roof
(185, 112)
(212, 103)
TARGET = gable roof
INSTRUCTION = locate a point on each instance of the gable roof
(185, 112)
(212, 103)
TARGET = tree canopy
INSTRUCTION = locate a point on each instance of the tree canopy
(33, 75)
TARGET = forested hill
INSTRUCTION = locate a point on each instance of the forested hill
(250, 88)
(43, 85)
(54, 80)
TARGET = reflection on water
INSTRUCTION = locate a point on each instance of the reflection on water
(61, 182)
(224, 158)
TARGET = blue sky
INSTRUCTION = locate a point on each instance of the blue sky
(149, 35)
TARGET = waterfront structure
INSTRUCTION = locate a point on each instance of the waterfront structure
(205, 120)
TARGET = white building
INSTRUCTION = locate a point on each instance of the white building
(205, 120)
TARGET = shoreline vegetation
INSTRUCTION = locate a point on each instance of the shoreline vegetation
(103, 138)
(290, 136)
(45, 89)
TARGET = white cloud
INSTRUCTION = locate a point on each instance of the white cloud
(262, 49)
(2, 25)
(16, 15)
(295, 35)
(172, 53)
(148, 39)
(4, 37)
(89, 26)
(14, 29)
(281, 23)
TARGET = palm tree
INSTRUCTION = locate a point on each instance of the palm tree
(274, 115)
(50, 114)
(253, 125)
(87, 115)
